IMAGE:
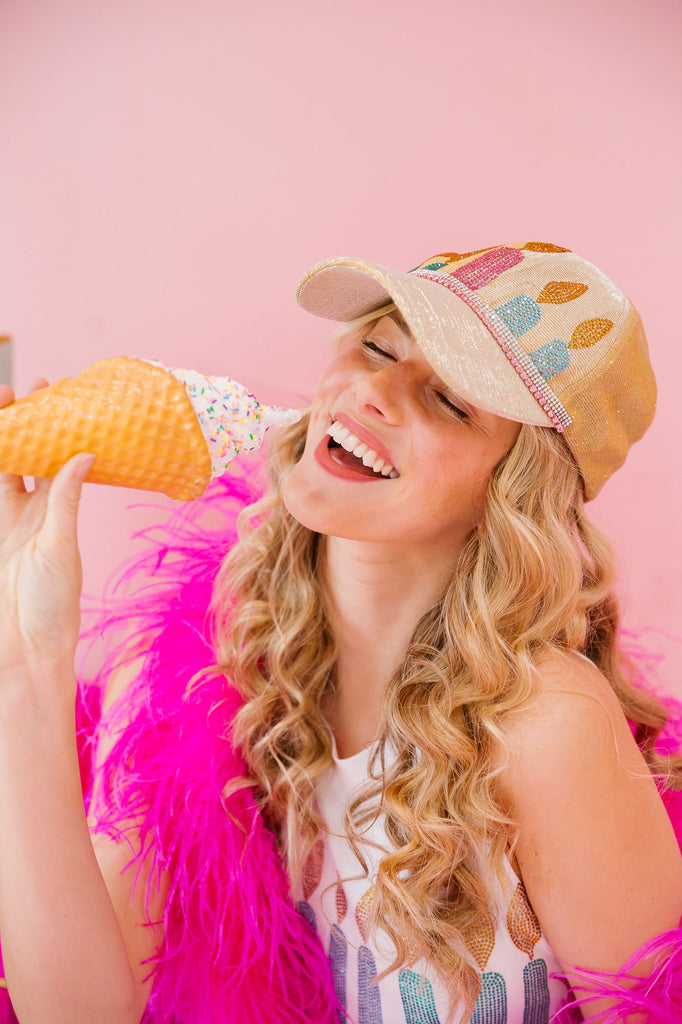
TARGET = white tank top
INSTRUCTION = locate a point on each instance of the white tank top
(513, 957)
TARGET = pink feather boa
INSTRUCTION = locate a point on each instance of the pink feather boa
(177, 750)
(235, 950)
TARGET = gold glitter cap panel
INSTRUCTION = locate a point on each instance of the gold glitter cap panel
(151, 427)
(528, 331)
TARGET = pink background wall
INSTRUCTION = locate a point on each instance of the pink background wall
(170, 168)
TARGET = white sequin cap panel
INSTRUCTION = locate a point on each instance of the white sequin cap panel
(232, 420)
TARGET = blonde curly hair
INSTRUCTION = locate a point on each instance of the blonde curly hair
(535, 577)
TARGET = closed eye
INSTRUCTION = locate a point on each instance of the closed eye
(451, 406)
(372, 345)
(442, 398)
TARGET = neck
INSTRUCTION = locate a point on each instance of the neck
(376, 596)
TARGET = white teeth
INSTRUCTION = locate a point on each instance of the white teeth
(343, 436)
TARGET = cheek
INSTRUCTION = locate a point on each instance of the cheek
(339, 374)
(456, 480)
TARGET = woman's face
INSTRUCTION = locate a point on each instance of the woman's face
(380, 390)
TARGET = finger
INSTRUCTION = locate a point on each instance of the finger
(63, 498)
(11, 485)
(7, 395)
(42, 484)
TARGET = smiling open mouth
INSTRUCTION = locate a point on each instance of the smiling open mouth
(349, 451)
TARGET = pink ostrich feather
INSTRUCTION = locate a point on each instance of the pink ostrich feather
(235, 950)
(647, 988)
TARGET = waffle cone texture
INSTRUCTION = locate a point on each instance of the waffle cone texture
(134, 416)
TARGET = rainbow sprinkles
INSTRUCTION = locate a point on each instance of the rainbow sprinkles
(232, 420)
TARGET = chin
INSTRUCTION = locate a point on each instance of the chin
(308, 509)
(316, 511)
(299, 511)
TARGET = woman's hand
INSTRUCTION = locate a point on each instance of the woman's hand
(67, 954)
(40, 567)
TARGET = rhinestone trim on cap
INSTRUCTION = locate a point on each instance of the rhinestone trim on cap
(514, 351)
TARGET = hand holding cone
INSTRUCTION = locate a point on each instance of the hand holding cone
(150, 427)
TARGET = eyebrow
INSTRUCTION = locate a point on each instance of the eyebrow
(400, 322)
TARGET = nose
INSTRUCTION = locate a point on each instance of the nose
(386, 392)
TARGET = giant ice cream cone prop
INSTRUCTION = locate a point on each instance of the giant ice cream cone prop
(151, 427)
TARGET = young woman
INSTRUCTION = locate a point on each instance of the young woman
(414, 698)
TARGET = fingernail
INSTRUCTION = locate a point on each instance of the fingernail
(87, 461)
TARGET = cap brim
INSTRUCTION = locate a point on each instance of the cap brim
(460, 348)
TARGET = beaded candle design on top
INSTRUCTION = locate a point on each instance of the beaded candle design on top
(492, 282)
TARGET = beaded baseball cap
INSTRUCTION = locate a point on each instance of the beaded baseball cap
(530, 331)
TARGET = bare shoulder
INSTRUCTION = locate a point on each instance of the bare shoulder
(573, 708)
(596, 850)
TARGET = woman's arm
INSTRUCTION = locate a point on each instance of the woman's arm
(596, 850)
(66, 954)
(139, 909)
(70, 946)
